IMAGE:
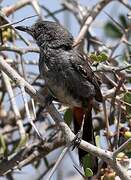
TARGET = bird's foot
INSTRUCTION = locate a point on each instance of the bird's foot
(48, 101)
(78, 137)
(77, 140)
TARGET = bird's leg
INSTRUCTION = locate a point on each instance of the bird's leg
(49, 96)
(77, 140)
(48, 100)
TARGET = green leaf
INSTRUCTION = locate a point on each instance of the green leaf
(128, 154)
(68, 117)
(127, 135)
(3, 146)
(21, 143)
(97, 140)
(87, 161)
(99, 58)
(46, 162)
(112, 31)
(123, 21)
(88, 172)
(127, 98)
(102, 57)
(94, 57)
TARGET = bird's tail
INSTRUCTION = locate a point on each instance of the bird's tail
(88, 135)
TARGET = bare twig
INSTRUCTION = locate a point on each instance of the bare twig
(116, 138)
(10, 24)
(14, 106)
(63, 153)
(28, 154)
(11, 9)
(125, 3)
(8, 21)
(121, 148)
(107, 121)
(90, 18)
(19, 50)
(28, 112)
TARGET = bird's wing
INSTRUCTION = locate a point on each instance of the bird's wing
(81, 65)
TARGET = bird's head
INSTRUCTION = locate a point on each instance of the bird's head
(51, 33)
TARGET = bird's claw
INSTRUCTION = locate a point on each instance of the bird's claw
(77, 140)
(48, 101)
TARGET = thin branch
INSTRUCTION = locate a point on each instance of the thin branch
(107, 122)
(36, 7)
(54, 12)
(45, 172)
(6, 20)
(116, 138)
(18, 5)
(28, 154)
(125, 3)
(14, 106)
(62, 155)
(121, 148)
(10, 24)
(19, 50)
(90, 18)
(50, 13)
(28, 112)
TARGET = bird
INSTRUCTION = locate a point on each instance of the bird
(67, 75)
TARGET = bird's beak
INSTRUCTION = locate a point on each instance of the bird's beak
(24, 28)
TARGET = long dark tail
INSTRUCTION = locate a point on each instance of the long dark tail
(88, 135)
